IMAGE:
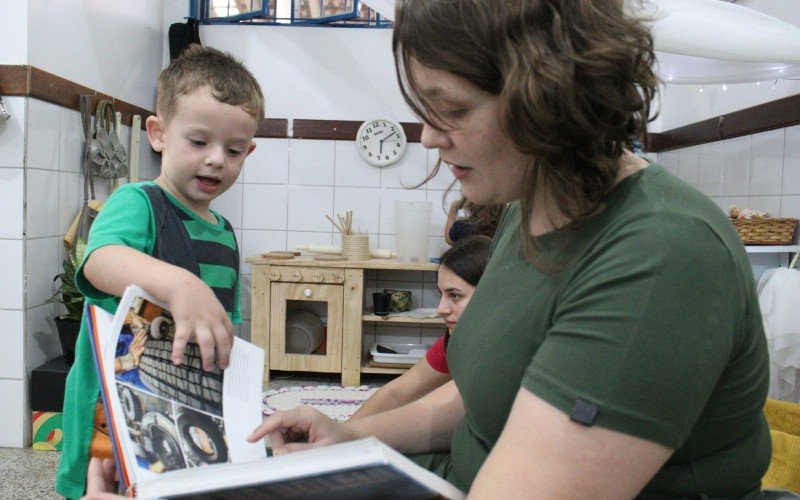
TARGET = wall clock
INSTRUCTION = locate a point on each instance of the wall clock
(381, 142)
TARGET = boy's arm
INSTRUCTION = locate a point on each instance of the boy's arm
(193, 305)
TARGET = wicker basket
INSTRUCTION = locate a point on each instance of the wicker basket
(767, 231)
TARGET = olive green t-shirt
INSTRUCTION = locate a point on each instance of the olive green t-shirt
(651, 329)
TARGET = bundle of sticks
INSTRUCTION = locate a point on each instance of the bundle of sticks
(345, 225)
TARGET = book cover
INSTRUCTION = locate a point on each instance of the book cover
(180, 432)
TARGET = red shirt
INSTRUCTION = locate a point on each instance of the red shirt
(437, 357)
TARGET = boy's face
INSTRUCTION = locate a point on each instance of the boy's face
(203, 147)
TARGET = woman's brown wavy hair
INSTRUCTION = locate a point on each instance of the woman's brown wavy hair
(575, 79)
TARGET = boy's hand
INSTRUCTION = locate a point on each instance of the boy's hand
(198, 313)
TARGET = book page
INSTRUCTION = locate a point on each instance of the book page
(173, 414)
(242, 386)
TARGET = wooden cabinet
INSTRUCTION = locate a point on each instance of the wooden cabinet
(331, 297)
(337, 289)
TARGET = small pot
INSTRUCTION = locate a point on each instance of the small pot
(400, 301)
(68, 330)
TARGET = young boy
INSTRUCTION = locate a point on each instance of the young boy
(163, 236)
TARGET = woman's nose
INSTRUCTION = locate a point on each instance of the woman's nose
(443, 309)
(432, 138)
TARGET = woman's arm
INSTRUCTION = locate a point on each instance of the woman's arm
(425, 425)
(541, 453)
(410, 386)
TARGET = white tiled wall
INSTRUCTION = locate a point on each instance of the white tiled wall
(759, 171)
(289, 185)
(12, 192)
(42, 189)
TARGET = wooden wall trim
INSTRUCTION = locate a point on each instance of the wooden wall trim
(343, 130)
(29, 81)
(273, 128)
(771, 115)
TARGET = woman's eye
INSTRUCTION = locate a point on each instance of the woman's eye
(234, 152)
(197, 142)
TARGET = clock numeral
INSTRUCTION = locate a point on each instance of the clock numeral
(375, 124)
(387, 157)
(364, 147)
(370, 155)
(394, 153)
(398, 144)
(368, 130)
(364, 137)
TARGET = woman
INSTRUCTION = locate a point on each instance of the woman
(614, 345)
(460, 270)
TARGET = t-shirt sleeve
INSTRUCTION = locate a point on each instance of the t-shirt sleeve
(642, 331)
(437, 357)
(126, 219)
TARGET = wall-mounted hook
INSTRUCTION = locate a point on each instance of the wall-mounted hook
(4, 116)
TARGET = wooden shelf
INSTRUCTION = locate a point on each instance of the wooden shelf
(386, 371)
(369, 317)
(306, 261)
(771, 248)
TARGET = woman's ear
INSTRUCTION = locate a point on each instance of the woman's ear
(252, 147)
(155, 132)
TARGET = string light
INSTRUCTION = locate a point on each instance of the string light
(724, 87)
(701, 88)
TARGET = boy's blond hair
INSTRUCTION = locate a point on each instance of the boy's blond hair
(230, 82)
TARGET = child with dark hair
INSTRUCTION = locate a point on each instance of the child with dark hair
(460, 270)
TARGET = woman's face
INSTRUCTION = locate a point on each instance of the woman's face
(479, 153)
(455, 296)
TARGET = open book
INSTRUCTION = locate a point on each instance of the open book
(179, 431)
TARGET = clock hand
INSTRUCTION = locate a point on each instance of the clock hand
(388, 136)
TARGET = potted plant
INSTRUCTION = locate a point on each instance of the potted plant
(67, 294)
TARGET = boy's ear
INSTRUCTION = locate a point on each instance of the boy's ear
(155, 132)
(252, 147)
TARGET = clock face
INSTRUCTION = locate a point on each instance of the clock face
(381, 142)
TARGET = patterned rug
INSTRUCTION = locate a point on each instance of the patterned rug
(339, 403)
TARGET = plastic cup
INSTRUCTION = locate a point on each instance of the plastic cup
(380, 303)
(412, 225)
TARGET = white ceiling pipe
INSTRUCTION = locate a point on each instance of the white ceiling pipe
(710, 41)
(721, 30)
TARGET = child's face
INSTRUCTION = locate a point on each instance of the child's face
(203, 148)
(455, 296)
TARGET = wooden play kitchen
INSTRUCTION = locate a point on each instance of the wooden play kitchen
(337, 286)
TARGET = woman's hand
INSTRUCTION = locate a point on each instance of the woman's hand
(299, 429)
